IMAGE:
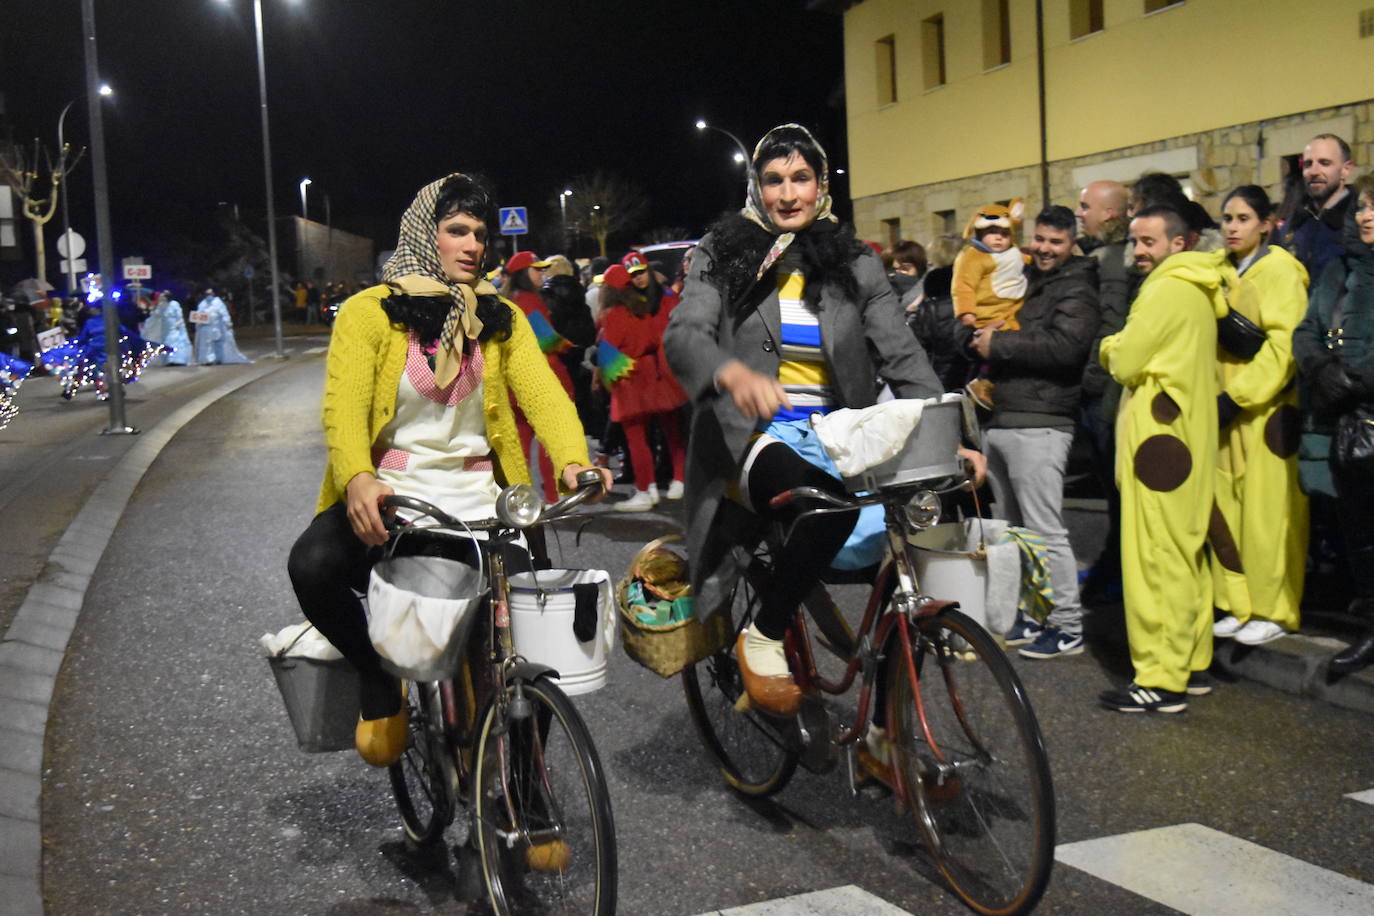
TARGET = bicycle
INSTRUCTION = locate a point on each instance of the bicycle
(967, 759)
(502, 740)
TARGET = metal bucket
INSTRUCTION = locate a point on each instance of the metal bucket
(321, 699)
(930, 452)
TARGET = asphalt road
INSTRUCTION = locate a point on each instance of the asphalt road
(172, 782)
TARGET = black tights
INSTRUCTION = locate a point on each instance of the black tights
(328, 567)
(799, 564)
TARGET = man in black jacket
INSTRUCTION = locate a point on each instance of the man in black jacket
(1038, 372)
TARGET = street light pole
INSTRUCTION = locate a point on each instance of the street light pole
(114, 382)
(267, 175)
(305, 214)
(66, 193)
(563, 214)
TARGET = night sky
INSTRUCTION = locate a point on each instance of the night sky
(373, 98)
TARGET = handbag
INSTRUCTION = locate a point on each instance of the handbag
(1352, 448)
(1238, 335)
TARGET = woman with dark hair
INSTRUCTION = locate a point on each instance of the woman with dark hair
(417, 401)
(785, 313)
(1259, 534)
(634, 311)
(524, 275)
(1334, 346)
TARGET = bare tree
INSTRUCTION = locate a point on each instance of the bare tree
(19, 168)
(601, 204)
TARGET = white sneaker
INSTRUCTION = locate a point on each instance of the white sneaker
(1226, 627)
(642, 501)
(1256, 632)
(674, 490)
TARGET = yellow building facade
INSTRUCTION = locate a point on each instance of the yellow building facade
(944, 99)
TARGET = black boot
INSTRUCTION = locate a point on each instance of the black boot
(1355, 657)
(1361, 562)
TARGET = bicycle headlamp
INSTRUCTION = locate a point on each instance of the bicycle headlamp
(519, 506)
(923, 509)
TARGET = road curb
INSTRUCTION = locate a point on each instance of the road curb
(33, 646)
(1297, 664)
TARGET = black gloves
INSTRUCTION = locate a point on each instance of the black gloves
(1227, 410)
(1331, 386)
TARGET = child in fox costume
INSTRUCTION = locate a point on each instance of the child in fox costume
(989, 280)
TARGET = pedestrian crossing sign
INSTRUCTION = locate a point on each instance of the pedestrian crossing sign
(514, 221)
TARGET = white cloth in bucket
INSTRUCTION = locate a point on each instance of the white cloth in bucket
(420, 607)
(999, 574)
(861, 438)
(300, 640)
(546, 633)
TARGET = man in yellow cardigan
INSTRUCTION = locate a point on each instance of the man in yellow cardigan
(1166, 453)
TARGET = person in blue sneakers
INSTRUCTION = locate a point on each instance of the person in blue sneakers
(1038, 370)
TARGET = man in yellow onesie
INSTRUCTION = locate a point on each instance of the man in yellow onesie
(1166, 435)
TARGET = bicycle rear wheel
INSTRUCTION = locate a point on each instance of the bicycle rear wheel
(423, 781)
(745, 745)
(980, 780)
(542, 811)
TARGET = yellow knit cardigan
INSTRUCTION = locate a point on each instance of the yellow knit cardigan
(367, 355)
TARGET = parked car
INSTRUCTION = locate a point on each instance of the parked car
(666, 256)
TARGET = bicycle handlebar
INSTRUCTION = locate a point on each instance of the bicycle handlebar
(838, 502)
(588, 484)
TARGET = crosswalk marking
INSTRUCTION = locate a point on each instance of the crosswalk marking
(838, 901)
(1367, 796)
(1205, 872)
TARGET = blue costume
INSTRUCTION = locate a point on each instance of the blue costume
(167, 325)
(12, 373)
(81, 363)
(215, 338)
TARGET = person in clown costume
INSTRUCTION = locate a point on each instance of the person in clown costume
(1166, 453)
(1259, 532)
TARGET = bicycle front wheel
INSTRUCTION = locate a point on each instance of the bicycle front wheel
(423, 781)
(542, 811)
(744, 743)
(974, 763)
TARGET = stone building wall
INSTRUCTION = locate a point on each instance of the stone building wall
(1209, 164)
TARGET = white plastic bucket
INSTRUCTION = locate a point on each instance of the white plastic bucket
(947, 568)
(545, 635)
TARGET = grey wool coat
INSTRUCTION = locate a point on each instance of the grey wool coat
(862, 340)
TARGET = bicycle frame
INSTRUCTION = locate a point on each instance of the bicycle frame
(895, 585)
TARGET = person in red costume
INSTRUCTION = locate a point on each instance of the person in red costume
(634, 312)
(523, 276)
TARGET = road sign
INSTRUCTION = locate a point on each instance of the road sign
(78, 268)
(514, 221)
(73, 248)
(138, 271)
(248, 271)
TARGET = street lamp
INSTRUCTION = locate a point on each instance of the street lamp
(114, 382)
(104, 90)
(267, 177)
(743, 155)
(304, 213)
(563, 196)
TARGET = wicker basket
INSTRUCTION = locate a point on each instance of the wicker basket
(666, 650)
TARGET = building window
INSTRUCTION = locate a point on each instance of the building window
(944, 223)
(933, 50)
(1085, 17)
(885, 60)
(892, 228)
(996, 34)
(1366, 23)
(1154, 6)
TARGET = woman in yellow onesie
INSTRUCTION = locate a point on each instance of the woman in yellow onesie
(1166, 447)
(1258, 534)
